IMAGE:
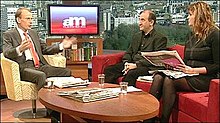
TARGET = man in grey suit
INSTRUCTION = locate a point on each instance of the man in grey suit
(17, 47)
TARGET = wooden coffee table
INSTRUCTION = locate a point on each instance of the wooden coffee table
(134, 106)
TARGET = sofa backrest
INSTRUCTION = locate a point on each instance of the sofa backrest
(179, 48)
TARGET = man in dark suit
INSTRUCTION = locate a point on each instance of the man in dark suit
(17, 47)
(133, 64)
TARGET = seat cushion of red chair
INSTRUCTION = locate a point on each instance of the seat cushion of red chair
(145, 86)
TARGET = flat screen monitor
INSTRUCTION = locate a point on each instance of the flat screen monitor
(73, 19)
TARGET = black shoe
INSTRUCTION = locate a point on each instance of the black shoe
(54, 120)
(54, 115)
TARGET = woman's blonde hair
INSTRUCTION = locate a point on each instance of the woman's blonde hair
(203, 19)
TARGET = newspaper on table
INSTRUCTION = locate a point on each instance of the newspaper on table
(94, 94)
(164, 58)
(89, 94)
(63, 82)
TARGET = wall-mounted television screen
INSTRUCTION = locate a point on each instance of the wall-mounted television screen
(73, 19)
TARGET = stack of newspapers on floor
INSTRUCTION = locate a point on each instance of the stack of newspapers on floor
(89, 94)
(63, 82)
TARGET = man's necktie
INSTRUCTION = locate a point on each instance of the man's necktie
(33, 52)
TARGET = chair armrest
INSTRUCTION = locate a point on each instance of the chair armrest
(99, 62)
(213, 102)
(56, 60)
(11, 74)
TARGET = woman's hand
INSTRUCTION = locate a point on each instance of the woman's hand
(168, 67)
(185, 69)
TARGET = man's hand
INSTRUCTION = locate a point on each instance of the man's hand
(128, 66)
(67, 42)
(25, 44)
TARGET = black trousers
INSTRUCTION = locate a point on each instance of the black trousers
(39, 75)
(114, 71)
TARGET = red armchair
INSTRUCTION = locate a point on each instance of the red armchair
(100, 62)
(189, 107)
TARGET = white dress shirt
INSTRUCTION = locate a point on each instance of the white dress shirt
(27, 52)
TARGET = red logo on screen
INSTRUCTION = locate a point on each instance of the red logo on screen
(74, 22)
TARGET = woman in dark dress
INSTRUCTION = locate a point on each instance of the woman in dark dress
(201, 56)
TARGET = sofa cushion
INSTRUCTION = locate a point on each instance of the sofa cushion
(193, 104)
(145, 86)
(178, 48)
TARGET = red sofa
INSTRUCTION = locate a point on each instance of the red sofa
(189, 107)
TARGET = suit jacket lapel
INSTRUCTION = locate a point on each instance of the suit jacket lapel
(17, 35)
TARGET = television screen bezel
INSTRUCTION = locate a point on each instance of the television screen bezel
(62, 5)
